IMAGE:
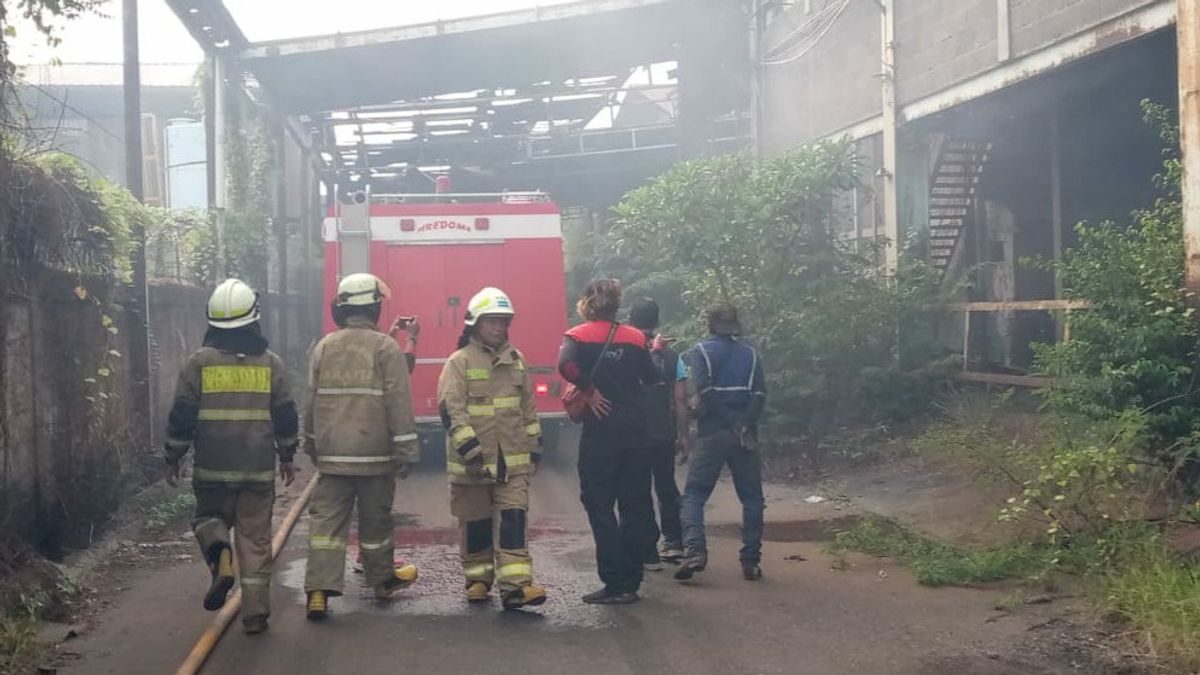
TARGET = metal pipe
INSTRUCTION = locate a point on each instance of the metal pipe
(891, 206)
(220, 130)
(1188, 30)
(139, 347)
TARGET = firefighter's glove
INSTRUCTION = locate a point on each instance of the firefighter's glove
(475, 467)
(402, 469)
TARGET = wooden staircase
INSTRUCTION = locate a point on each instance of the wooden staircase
(957, 170)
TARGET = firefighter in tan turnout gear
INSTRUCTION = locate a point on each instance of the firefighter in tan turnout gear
(492, 451)
(233, 404)
(359, 430)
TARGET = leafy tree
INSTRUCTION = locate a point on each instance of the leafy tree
(1135, 348)
(839, 339)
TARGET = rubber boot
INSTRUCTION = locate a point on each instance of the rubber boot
(318, 605)
(253, 625)
(222, 580)
(402, 577)
(477, 591)
(525, 596)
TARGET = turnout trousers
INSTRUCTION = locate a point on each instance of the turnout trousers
(246, 509)
(482, 510)
(329, 526)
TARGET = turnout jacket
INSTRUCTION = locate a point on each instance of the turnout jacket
(486, 402)
(358, 417)
(238, 412)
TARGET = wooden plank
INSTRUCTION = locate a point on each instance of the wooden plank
(1009, 380)
(1016, 305)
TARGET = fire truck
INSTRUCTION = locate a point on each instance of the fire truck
(437, 250)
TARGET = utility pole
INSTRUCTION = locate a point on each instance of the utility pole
(1187, 23)
(139, 310)
(891, 204)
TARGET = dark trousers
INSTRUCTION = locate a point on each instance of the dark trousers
(715, 452)
(614, 470)
(668, 526)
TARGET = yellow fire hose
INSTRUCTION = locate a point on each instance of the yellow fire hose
(212, 636)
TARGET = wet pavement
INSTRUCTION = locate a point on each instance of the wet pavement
(803, 617)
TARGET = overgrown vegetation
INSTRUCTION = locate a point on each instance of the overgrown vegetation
(1135, 349)
(844, 345)
(937, 563)
(171, 510)
(1103, 475)
(26, 605)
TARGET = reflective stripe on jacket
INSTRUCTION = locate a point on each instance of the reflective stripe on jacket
(237, 410)
(486, 401)
(358, 417)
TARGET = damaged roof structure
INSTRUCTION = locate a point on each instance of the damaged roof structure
(516, 99)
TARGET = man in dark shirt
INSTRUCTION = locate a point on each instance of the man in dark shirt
(729, 378)
(666, 433)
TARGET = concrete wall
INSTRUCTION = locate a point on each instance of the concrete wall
(67, 454)
(835, 83)
(940, 43)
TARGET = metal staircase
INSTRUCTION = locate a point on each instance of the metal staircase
(957, 170)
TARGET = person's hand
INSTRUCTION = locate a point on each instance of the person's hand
(287, 473)
(413, 328)
(660, 343)
(402, 470)
(401, 323)
(600, 406)
(683, 449)
(475, 467)
(173, 473)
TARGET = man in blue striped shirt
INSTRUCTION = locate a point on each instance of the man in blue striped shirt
(728, 375)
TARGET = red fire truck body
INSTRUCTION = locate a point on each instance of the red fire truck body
(435, 252)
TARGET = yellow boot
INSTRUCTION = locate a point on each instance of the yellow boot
(222, 580)
(477, 591)
(318, 605)
(525, 596)
(402, 577)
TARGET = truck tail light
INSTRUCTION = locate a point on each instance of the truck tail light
(541, 389)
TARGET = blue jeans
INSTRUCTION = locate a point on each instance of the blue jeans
(715, 452)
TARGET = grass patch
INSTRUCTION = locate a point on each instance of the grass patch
(171, 510)
(1154, 594)
(50, 597)
(937, 563)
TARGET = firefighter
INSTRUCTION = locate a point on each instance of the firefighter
(360, 432)
(234, 405)
(493, 445)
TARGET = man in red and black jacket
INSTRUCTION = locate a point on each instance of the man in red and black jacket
(614, 463)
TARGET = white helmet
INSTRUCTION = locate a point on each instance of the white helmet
(361, 289)
(488, 302)
(232, 305)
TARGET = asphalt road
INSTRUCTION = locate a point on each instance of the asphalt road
(803, 617)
